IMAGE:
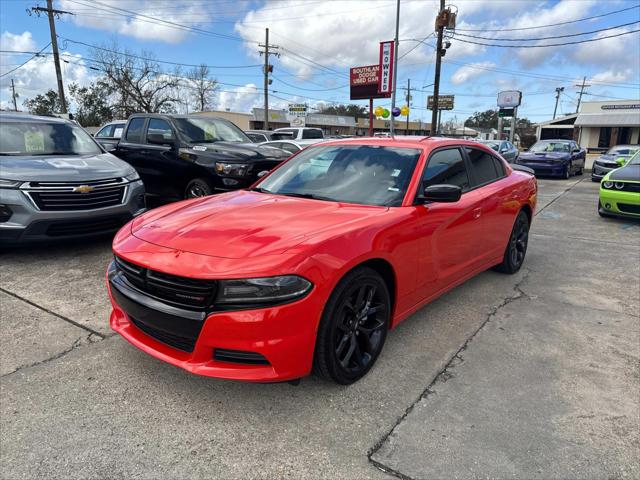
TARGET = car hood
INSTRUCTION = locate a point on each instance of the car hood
(73, 168)
(245, 224)
(239, 152)
(544, 156)
(630, 173)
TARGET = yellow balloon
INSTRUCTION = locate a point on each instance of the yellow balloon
(404, 111)
(378, 111)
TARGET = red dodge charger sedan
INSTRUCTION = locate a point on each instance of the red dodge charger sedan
(308, 269)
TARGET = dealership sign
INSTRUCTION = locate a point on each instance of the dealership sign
(445, 102)
(364, 82)
(297, 110)
(509, 99)
(386, 68)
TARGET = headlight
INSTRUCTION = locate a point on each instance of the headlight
(607, 184)
(132, 177)
(232, 169)
(267, 290)
(9, 183)
(619, 185)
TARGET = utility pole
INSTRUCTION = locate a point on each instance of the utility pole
(13, 95)
(436, 80)
(408, 102)
(395, 68)
(267, 69)
(582, 86)
(512, 132)
(51, 12)
(559, 90)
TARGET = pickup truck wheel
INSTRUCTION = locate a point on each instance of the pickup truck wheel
(198, 187)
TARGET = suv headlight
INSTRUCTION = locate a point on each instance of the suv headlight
(9, 183)
(132, 177)
(262, 291)
(232, 169)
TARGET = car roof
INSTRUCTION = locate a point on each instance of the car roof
(402, 141)
(25, 117)
(557, 140)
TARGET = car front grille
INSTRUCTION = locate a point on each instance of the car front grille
(65, 196)
(92, 226)
(184, 342)
(631, 187)
(178, 291)
(629, 208)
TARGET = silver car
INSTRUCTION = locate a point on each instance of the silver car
(57, 183)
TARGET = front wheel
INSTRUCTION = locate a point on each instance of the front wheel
(517, 246)
(198, 187)
(567, 173)
(353, 327)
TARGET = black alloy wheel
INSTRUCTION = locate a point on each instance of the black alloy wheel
(198, 187)
(517, 247)
(353, 327)
(567, 173)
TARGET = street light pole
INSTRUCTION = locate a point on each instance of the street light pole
(395, 67)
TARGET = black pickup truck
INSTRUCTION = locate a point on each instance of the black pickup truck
(186, 156)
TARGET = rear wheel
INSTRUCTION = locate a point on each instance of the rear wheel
(517, 246)
(353, 327)
(198, 187)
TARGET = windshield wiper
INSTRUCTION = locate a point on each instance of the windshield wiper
(304, 195)
(53, 153)
(260, 189)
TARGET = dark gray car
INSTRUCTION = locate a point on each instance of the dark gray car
(508, 151)
(615, 157)
(56, 182)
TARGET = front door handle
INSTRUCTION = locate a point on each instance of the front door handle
(477, 213)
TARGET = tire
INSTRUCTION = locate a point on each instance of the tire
(516, 249)
(198, 187)
(567, 173)
(349, 340)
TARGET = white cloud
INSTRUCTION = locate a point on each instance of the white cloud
(139, 25)
(241, 99)
(612, 76)
(38, 75)
(611, 53)
(470, 72)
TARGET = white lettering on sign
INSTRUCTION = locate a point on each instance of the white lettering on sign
(386, 67)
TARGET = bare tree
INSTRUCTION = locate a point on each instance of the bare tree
(138, 83)
(202, 87)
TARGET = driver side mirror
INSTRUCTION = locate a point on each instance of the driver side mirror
(576, 150)
(442, 193)
(158, 139)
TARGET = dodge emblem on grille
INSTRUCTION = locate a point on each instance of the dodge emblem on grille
(83, 189)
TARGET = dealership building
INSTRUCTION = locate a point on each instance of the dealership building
(598, 125)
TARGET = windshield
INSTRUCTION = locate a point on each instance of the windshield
(635, 160)
(362, 174)
(493, 145)
(32, 138)
(210, 130)
(551, 147)
(623, 150)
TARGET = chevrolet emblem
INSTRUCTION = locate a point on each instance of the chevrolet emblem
(83, 189)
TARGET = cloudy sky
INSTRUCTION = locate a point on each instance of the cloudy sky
(319, 40)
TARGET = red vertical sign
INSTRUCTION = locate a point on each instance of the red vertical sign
(386, 67)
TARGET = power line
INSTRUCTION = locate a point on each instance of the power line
(549, 44)
(545, 38)
(546, 26)
(35, 54)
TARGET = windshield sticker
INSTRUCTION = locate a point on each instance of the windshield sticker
(395, 173)
(209, 131)
(34, 141)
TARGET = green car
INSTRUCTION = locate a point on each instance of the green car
(620, 191)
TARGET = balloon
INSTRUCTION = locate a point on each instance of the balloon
(395, 112)
(378, 111)
(385, 113)
(404, 111)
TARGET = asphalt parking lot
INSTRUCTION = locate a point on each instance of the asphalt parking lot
(535, 375)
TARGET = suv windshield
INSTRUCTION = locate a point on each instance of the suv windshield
(623, 150)
(210, 130)
(550, 147)
(362, 174)
(55, 138)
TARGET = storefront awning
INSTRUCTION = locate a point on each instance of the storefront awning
(608, 120)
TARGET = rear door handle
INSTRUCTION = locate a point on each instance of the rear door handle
(477, 213)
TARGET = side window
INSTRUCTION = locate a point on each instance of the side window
(289, 147)
(256, 137)
(446, 166)
(157, 126)
(312, 133)
(499, 167)
(134, 131)
(105, 132)
(483, 168)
